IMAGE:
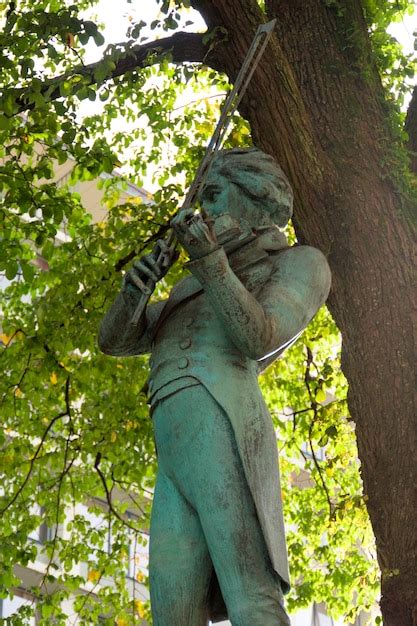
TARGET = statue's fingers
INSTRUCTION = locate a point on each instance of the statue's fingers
(132, 278)
(178, 227)
(199, 230)
(152, 272)
(165, 254)
(193, 235)
(163, 247)
(152, 263)
(181, 220)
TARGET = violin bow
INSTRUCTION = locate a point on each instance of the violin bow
(232, 101)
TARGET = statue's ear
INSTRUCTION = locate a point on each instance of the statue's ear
(275, 201)
(282, 214)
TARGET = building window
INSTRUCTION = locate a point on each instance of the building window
(20, 603)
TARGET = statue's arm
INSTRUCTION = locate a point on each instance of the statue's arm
(117, 336)
(298, 286)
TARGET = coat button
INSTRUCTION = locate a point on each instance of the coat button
(187, 321)
(185, 343)
(182, 363)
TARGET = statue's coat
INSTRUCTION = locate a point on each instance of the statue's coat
(195, 336)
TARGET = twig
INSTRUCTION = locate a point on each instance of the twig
(109, 499)
(67, 412)
(64, 472)
(216, 95)
(10, 339)
(315, 410)
(131, 255)
(17, 385)
(122, 483)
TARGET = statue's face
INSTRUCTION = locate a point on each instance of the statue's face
(217, 195)
(220, 196)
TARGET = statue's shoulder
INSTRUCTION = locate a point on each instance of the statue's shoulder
(303, 264)
(186, 283)
(300, 254)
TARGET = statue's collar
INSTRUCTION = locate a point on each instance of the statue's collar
(271, 238)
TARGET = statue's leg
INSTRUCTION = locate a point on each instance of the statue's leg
(199, 447)
(179, 564)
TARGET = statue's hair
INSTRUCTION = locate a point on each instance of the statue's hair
(260, 178)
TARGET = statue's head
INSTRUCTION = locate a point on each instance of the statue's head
(250, 185)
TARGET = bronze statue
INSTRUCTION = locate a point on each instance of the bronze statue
(217, 544)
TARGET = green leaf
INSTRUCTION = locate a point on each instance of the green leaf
(12, 268)
(65, 88)
(98, 39)
(28, 271)
(5, 122)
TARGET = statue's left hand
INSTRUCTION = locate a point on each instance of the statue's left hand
(195, 233)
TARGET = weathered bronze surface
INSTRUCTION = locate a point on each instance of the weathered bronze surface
(217, 533)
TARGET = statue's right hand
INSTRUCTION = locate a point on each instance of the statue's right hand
(146, 271)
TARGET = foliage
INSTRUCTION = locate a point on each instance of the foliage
(76, 424)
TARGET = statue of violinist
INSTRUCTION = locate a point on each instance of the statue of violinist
(217, 546)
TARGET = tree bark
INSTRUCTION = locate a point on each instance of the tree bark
(411, 129)
(317, 105)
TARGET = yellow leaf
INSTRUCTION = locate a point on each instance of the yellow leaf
(93, 575)
(140, 577)
(320, 395)
(18, 392)
(129, 425)
(113, 436)
(54, 378)
(140, 608)
(4, 339)
(121, 621)
(119, 366)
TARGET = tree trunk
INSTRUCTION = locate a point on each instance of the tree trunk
(316, 104)
(411, 128)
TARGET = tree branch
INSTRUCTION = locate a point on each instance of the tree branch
(159, 234)
(109, 498)
(183, 47)
(411, 129)
(66, 468)
(307, 378)
(66, 412)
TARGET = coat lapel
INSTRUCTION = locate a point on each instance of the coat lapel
(184, 290)
(240, 261)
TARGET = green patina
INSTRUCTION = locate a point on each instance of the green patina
(217, 529)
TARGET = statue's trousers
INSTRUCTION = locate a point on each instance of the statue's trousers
(204, 522)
